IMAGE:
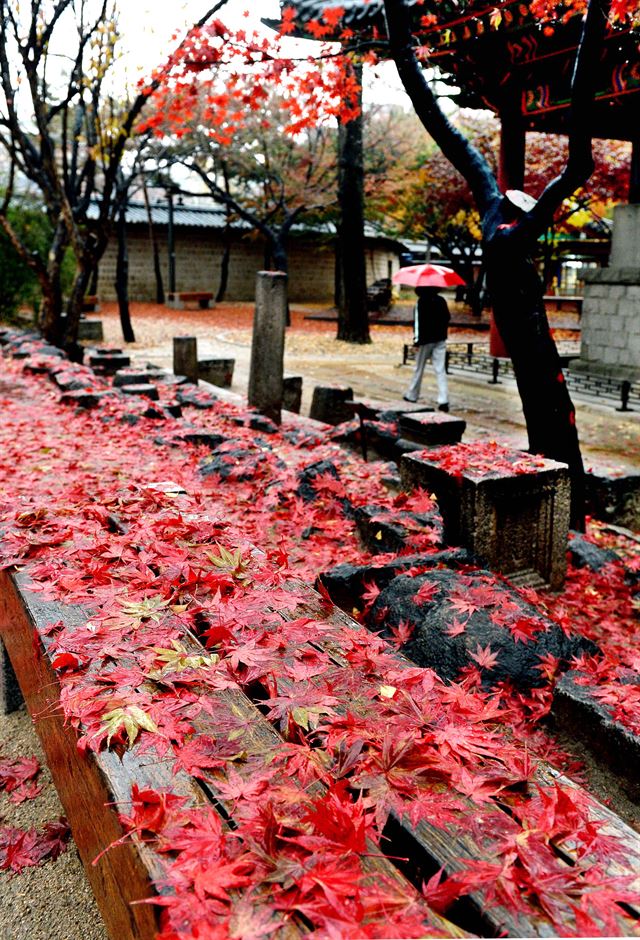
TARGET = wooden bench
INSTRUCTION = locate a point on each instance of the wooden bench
(565, 302)
(178, 300)
(90, 304)
(90, 784)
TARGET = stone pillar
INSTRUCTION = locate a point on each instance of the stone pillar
(515, 518)
(267, 347)
(185, 357)
(611, 306)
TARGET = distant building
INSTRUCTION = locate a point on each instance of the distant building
(199, 238)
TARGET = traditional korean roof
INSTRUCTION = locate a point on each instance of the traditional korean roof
(214, 217)
(531, 64)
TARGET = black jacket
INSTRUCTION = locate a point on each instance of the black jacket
(431, 319)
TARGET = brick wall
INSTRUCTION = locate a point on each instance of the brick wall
(199, 255)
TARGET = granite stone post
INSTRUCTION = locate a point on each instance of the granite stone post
(185, 357)
(267, 348)
(516, 522)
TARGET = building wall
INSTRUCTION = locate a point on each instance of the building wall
(199, 255)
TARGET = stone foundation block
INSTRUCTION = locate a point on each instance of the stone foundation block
(328, 404)
(146, 389)
(91, 330)
(432, 427)
(579, 714)
(614, 497)
(109, 363)
(292, 393)
(216, 371)
(507, 507)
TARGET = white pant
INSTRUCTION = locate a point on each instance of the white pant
(437, 352)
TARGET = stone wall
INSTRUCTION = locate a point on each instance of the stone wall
(611, 306)
(199, 254)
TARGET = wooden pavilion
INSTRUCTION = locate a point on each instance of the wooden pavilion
(499, 57)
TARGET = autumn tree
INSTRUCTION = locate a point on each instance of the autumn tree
(436, 200)
(268, 179)
(65, 132)
(509, 234)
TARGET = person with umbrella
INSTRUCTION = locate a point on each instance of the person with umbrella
(431, 325)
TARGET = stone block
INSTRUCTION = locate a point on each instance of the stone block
(129, 377)
(384, 530)
(328, 404)
(438, 636)
(216, 371)
(579, 714)
(614, 497)
(346, 583)
(91, 330)
(145, 389)
(82, 398)
(185, 357)
(108, 363)
(432, 427)
(509, 508)
(292, 393)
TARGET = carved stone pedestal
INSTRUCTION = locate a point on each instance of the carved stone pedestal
(515, 518)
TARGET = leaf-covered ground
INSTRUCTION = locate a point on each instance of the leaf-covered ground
(189, 565)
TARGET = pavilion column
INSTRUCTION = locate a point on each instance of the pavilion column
(634, 179)
(512, 146)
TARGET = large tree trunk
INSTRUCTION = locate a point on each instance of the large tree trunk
(74, 309)
(520, 316)
(52, 323)
(353, 319)
(122, 278)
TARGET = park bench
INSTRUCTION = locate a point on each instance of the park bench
(178, 300)
(90, 304)
(90, 784)
(565, 302)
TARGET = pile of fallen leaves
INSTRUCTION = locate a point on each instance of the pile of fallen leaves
(187, 563)
(23, 848)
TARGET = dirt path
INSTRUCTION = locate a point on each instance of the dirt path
(375, 371)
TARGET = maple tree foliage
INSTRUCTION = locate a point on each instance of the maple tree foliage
(435, 200)
(159, 543)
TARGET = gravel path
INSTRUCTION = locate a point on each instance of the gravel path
(54, 900)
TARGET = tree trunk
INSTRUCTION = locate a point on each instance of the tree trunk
(520, 316)
(93, 285)
(157, 270)
(122, 278)
(51, 314)
(353, 319)
(74, 309)
(280, 260)
(224, 266)
(52, 323)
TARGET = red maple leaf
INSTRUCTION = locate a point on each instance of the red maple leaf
(485, 658)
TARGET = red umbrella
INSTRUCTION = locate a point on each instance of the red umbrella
(427, 275)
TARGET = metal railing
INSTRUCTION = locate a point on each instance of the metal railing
(475, 358)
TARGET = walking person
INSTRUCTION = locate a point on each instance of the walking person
(431, 325)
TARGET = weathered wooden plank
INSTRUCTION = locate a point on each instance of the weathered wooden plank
(88, 783)
(450, 850)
